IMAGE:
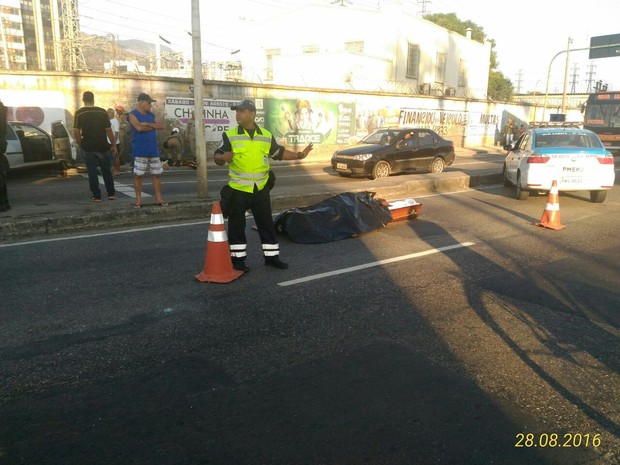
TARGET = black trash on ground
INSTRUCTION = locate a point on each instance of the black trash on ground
(334, 219)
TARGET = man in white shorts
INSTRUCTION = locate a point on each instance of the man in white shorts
(145, 148)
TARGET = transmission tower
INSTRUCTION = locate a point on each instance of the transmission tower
(574, 77)
(423, 10)
(591, 73)
(519, 80)
(73, 58)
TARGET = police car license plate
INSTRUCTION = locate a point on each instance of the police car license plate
(342, 166)
(571, 180)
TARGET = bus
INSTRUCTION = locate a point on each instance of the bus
(602, 116)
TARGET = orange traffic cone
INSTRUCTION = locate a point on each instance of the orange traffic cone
(551, 216)
(218, 264)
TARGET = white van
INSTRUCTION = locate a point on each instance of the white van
(29, 145)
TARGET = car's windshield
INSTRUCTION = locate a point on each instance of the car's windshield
(380, 136)
(567, 139)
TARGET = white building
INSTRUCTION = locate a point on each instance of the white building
(385, 49)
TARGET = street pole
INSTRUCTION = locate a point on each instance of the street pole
(557, 55)
(199, 126)
(570, 41)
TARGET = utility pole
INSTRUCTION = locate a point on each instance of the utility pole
(557, 55)
(570, 41)
(199, 132)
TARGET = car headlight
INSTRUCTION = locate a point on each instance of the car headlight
(362, 156)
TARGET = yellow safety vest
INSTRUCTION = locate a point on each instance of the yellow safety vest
(250, 165)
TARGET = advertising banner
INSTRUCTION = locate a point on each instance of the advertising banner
(217, 115)
(298, 122)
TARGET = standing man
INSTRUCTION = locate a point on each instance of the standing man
(145, 150)
(4, 196)
(93, 133)
(124, 133)
(114, 124)
(247, 149)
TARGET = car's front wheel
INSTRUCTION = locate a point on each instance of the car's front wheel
(598, 196)
(437, 165)
(522, 194)
(381, 170)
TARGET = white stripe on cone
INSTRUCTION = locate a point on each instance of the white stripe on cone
(217, 236)
(217, 218)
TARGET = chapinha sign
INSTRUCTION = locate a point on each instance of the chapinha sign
(217, 115)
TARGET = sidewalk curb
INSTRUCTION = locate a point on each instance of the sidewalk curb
(199, 210)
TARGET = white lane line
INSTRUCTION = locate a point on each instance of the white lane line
(372, 264)
(122, 188)
(108, 233)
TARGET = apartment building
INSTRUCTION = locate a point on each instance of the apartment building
(31, 34)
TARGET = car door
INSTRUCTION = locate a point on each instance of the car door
(514, 156)
(425, 150)
(405, 149)
(64, 147)
(14, 153)
(36, 143)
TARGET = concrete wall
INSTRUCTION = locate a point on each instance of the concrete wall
(48, 96)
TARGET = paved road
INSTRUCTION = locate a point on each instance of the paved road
(455, 333)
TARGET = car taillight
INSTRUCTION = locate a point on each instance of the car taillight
(535, 158)
(605, 160)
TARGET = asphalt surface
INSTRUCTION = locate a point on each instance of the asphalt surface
(37, 215)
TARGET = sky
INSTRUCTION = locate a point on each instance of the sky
(528, 33)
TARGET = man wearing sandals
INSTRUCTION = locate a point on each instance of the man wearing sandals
(145, 149)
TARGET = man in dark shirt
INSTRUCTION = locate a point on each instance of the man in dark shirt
(4, 197)
(92, 131)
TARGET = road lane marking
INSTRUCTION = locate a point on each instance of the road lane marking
(373, 264)
(121, 188)
(108, 233)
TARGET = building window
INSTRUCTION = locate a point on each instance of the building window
(440, 68)
(356, 46)
(270, 54)
(309, 49)
(462, 73)
(413, 61)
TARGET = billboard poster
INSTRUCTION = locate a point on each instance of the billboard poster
(298, 122)
(217, 115)
(293, 122)
(370, 118)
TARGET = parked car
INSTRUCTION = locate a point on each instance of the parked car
(574, 158)
(392, 150)
(29, 145)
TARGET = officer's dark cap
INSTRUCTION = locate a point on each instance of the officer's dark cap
(244, 105)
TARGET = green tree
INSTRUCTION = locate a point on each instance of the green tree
(499, 86)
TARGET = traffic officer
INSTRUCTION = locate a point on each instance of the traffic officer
(247, 149)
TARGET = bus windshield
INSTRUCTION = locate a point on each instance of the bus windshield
(603, 110)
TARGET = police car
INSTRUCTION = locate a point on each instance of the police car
(575, 158)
